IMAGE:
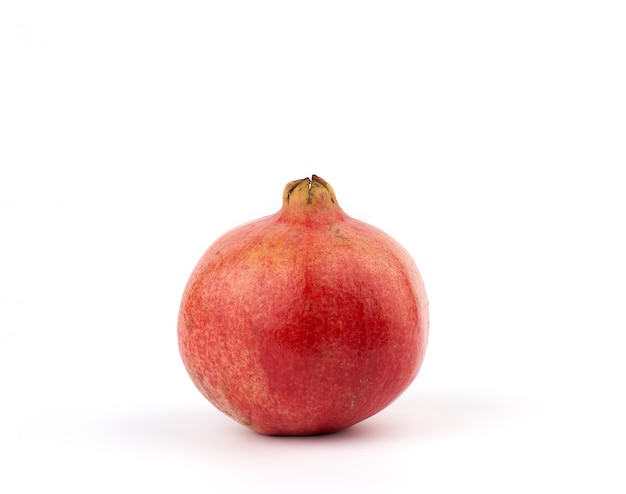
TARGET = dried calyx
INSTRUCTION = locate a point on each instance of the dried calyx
(308, 190)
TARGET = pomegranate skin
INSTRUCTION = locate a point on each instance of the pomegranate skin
(304, 322)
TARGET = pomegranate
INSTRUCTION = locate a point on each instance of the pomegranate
(304, 322)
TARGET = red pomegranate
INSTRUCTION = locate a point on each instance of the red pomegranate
(304, 322)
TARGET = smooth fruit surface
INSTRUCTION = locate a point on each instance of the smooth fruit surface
(304, 322)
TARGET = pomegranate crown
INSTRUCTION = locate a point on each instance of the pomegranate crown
(309, 195)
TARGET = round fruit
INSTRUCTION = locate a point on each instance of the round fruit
(304, 322)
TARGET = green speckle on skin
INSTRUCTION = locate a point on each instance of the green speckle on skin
(224, 388)
(339, 234)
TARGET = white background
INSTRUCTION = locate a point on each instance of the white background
(488, 137)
